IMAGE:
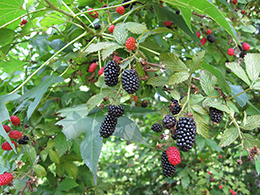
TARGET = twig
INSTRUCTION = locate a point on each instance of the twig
(202, 16)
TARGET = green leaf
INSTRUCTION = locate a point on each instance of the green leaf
(67, 184)
(54, 156)
(30, 153)
(185, 181)
(247, 28)
(99, 46)
(40, 43)
(44, 154)
(39, 170)
(172, 62)
(158, 81)
(139, 69)
(135, 27)
(256, 86)
(252, 122)
(252, 62)
(71, 169)
(202, 125)
(175, 94)
(207, 81)
(96, 99)
(229, 136)
(57, 44)
(179, 77)
(221, 79)
(7, 36)
(127, 130)
(61, 144)
(243, 98)
(210, 103)
(108, 51)
(239, 71)
(91, 146)
(186, 14)
(120, 33)
(257, 166)
(196, 61)
(205, 7)
(37, 92)
(213, 145)
(199, 109)
(250, 141)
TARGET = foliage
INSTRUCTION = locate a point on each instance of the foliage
(45, 81)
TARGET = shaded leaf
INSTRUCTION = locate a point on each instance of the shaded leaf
(99, 46)
(179, 77)
(241, 99)
(252, 62)
(30, 153)
(250, 141)
(108, 51)
(213, 145)
(229, 136)
(139, 69)
(257, 166)
(120, 33)
(67, 184)
(39, 170)
(256, 86)
(239, 71)
(61, 144)
(207, 81)
(158, 81)
(210, 103)
(196, 61)
(135, 27)
(54, 156)
(252, 122)
(172, 62)
(185, 181)
(7, 36)
(199, 109)
(202, 125)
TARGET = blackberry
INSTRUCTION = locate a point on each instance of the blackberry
(215, 115)
(144, 104)
(157, 127)
(177, 12)
(111, 73)
(176, 106)
(185, 133)
(242, 54)
(228, 71)
(167, 167)
(211, 38)
(23, 140)
(115, 111)
(130, 81)
(96, 26)
(108, 126)
(169, 121)
(174, 137)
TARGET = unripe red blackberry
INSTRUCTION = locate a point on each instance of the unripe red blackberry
(157, 127)
(169, 121)
(215, 115)
(115, 111)
(108, 126)
(185, 133)
(111, 73)
(167, 167)
(130, 81)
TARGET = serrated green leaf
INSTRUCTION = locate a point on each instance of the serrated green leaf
(61, 144)
(40, 43)
(210, 103)
(196, 61)
(30, 153)
(120, 33)
(202, 125)
(158, 81)
(172, 62)
(71, 169)
(135, 27)
(195, 99)
(252, 62)
(44, 155)
(179, 77)
(250, 141)
(67, 184)
(185, 181)
(99, 46)
(139, 69)
(54, 156)
(207, 81)
(199, 109)
(241, 99)
(108, 51)
(256, 86)
(252, 122)
(229, 136)
(239, 71)
(39, 170)
(7, 36)
(175, 94)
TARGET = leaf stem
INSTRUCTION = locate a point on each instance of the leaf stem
(154, 52)
(99, 57)
(58, 52)
(239, 93)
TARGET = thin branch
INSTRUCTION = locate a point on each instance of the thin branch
(202, 16)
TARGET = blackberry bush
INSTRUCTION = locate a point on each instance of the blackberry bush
(115, 111)
(130, 81)
(167, 167)
(169, 121)
(157, 127)
(111, 73)
(108, 126)
(215, 115)
(185, 133)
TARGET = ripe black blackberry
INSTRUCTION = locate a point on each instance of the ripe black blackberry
(177, 12)
(111, 73)
(96, 26)
(167, 167)
(157, 127)
(144, 104)
(174, 137)
(211, 38)
(23, 140)
(108, 126)
(185, 133)
(115, 111)
(169, 121)
(176, 108)
(215, 115)
(130, 81)
(242, 54)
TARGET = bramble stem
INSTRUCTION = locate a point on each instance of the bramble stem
(239, 93)
(154, 52)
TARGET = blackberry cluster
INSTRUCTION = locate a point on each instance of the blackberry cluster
(130, 81)
(108, 126)
(211, 38)
(185, 133)
(23, 140)
(111, 73)
(169, 121)
(167, 167)
(177, 107)
(115, 111)
(215, 115)
(157, 127)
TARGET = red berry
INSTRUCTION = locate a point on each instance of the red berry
(203, 41)
(15, 120)
(92, 67)
(209, 172)
(6, 178)
(220, 186)
(101, 70)
(15, 134)
(208, 31)
(167, 23)
(120, 10)
(231, 191)
(234, 2)
(198, 34)
(130, 43)
(7, 146)
(117, 59)
(201, 159)
(246, 46)
(111, 28)
(220, 156)
(173, 155)
(6, 128)
(135, 98)
(23, 22)
(243, 12)
(92, 14)
(231, 51)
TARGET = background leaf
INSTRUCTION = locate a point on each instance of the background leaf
(252, 62)
(135, 27)
(239, 71)
(172, 62)
(252, 122)
(229, 136)
(207, 81)
(241, 99)
(179, 77)
(120, 33)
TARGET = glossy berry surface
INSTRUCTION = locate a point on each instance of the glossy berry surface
(198, 34)
(157, 127)
(231, 51)
(101, 71)
(96, 26)
(108, 126)
(23, 140)
(167, 167)
(173, 155)
(92, 67)
(245, 46)
(120, 10)
(15, 134)
(115, 111)
(130, 81)
(211, 38)
(117, 59)
(177, 107)
(234, 2)
(215, 115)
(6, 178)
(130, 43)
(169, 121)
(111, 73)
(203, 41)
